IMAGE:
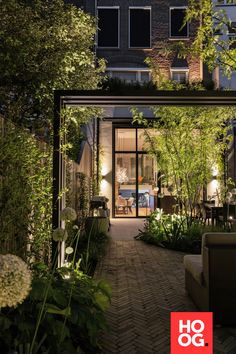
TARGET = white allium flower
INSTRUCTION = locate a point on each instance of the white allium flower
(229, 195)
(59, 234)
(15, 280)
(233, 191)
(68, 214)
(69, 250)
(227, 200)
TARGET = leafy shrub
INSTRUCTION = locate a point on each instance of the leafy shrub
(25, 194)
(174, 231)
(91, 248)
(72, 318)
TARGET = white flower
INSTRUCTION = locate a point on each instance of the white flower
(59, 234)
(15, 280)
(159, 214)
(69, 250)
(229, 195)
(68, 214)
(233, 191)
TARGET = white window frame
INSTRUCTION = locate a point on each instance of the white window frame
(177, 38)
(109, 8)
(149, 8)
(180, 70)
(138, 71)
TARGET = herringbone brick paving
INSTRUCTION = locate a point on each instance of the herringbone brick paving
(147, 284)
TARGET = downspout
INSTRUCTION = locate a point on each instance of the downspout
(234, 142)
(98, 150)
(97, 119)
(95, 14)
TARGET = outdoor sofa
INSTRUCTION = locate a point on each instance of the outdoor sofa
(210, 278)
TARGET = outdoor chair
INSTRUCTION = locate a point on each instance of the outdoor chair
(228, 215)
(130, 203)
(121, 205)
(206, 212)
(210, 278)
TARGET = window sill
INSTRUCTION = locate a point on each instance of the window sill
(139, 48)
(108, 48)
(224, 5)
(179, 38)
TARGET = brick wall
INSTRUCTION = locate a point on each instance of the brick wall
(125, 57)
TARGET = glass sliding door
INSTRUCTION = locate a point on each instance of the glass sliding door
(125, 185)
(134, 188)
(146, 185)
(125, 172)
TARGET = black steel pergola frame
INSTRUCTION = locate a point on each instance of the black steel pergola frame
(99, 98)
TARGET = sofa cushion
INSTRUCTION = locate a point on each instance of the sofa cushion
(218, 238)
(193, 264)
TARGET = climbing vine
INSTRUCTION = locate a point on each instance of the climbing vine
(25, 194)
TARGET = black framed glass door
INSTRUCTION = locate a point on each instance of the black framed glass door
(134, 183)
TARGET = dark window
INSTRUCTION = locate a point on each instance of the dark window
(179, 76)
(232, 35)
(139, 23)
(176, 22)
(108, 28)
(232, 28)
(232, 42)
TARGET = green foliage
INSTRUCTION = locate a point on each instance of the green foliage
(119, 86)
(72, 118)
(83, 308)
(92, 244)
(209, 43)
(189, 142)
(52, 50)
(25, 190)
(174, 232)
(160, 82)
(83, 195)
(91, 249)
(97, 173)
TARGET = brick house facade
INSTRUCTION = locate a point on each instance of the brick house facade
(125, 58)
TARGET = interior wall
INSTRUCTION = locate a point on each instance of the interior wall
(106, 160)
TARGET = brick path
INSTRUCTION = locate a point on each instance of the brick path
(147, 283)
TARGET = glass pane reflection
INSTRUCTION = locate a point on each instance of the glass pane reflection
(125, 139)
(125, 185)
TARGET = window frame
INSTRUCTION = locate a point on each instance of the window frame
(138, 72)
(118, 34)
(232, 37)
(231, 33)
(180, 70)
(177, 38)
(149, 8)
(225, 3)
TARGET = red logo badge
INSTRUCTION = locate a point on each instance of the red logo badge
(191, 332)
